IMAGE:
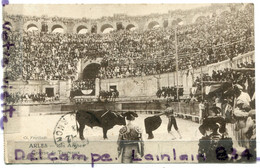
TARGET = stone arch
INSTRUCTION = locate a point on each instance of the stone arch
(152, 24)
(106, 26)
(199, 18)
(224, 9)
(194, 19)
(225, 12)
(176, 21)
(130, 26)
(80, 26)
(31, 24)
(56, 25)
(85, 62)
(91, 71)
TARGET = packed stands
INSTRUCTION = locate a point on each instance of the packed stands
(132, 53)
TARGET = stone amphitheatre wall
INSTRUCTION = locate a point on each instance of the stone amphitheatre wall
(142, 23)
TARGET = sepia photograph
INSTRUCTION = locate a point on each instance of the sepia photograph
(129, 83)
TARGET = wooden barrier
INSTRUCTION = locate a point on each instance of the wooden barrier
(183, 110)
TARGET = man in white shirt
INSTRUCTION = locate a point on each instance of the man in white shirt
(241, 112)
(243, 99)
(201, 111)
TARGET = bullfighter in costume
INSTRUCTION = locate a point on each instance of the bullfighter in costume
(172, 121)
(130, 141)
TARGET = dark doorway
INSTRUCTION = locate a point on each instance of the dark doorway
(165, 23)
(94, 29)
(49, 92)
(91, 71)
(113, 87)
(119, 26)
(44, 28)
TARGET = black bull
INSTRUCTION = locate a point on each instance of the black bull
(104, 118)
(107, 119)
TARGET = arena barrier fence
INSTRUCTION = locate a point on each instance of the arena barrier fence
(181, 110)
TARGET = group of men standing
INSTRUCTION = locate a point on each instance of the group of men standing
(236, 111)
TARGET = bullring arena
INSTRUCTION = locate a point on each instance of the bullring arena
(190, 59)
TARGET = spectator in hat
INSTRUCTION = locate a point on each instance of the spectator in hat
(130, 142)
(215, 111)
(214, 124)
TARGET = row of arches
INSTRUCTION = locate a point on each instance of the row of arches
(54, 29)
(164, 24)
(44, 27)
(82, 28)
(105, 28)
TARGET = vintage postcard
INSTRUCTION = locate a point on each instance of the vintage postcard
(129, 83)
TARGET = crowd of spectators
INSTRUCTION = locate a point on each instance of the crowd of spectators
(229, 75)
(108, 95)
(169, 92)
(42, 56)
(132, 53)
(207, 41)
(244, 76)
(29, 98)
(87, 84)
